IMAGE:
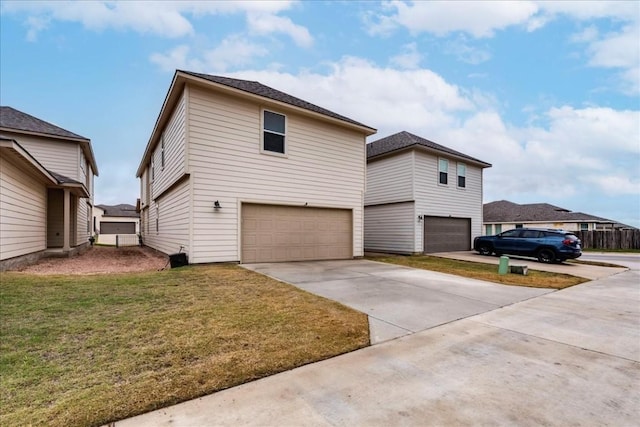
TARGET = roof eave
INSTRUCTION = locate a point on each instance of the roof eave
(417, 146)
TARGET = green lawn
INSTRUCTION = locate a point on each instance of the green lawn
(482, 271)
(87, 350)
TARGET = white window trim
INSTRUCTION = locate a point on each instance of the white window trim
(263, 130)
(447, 172)
(458, 164)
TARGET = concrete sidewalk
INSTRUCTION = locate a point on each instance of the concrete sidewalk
(571, 357)
(399, 300)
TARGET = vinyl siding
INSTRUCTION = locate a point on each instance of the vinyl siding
(390, 228)
(23, 201)
(82, 214)
(174, 149)
(324, 167)
(173, 224)
(434, 199)
(58, 156)
(390, 179)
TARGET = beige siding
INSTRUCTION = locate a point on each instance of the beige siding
(172, 212)
(174, 149)
(83, 215)
(390, 228)
(434, 199)
(324, 167)
(390, 180)
(23, 201)
(57, 156)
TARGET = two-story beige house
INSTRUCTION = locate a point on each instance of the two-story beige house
(238, 171)
(46, 189)
(421, 197)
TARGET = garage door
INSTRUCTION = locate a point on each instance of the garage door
(107, 227)
(445, 234)
(290, 233)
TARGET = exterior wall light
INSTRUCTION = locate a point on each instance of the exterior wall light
(216, 205)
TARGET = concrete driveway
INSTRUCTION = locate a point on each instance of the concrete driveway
(570, 357)
(399, 300)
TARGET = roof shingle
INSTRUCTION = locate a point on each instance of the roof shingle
(11, 118)
(259, 89)
(506, 211)
(405, 139)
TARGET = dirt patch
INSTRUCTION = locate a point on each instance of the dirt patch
(102, 260)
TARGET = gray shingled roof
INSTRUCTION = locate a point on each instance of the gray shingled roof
(505, 211)
(64, 179)
(120, 210)
(11, 118)
(259, 89)
(405, 139)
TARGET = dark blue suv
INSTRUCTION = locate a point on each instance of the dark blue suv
(548, 245)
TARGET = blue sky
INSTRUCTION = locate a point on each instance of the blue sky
(547, 92)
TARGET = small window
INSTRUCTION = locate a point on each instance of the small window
(584, 226)
(273, 135)
(157, 218)
(498, 228)
(162, 152)
(518, 225)
(443, 168)
(462, 175)
(153, 169)
(488, 229)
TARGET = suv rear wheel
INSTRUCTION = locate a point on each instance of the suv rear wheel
(484, 249)
(546, 256)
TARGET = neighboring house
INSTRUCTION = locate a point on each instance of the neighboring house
(504, 215)
(120, 220)
(46, 189)
(421, 196)
(237, 171)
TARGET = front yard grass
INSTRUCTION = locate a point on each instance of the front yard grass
(482, 271)
(88, 350)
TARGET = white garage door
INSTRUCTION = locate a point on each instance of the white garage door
(446, 234)
(289, 233)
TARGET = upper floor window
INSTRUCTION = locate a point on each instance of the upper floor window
(153, 168)
(584, 226)
(273, 135)
(443, 169)
(518, 225)
(462, 175)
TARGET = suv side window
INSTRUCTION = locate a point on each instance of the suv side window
(531, 234)
(511, 233)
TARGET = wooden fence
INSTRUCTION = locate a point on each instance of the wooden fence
(614, 239)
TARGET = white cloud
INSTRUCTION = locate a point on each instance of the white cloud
(409, 59)
(264, 23)
(464, 52)
(234, 51)
(162, 18)
(386, 98)
(480, 19)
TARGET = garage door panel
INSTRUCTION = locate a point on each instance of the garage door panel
(446, 234)
(287, 233)
(113, 227)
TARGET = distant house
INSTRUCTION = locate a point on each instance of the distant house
(504, 215)
(238, 171)
(46, 189)
(117, 220)
(421, 196)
